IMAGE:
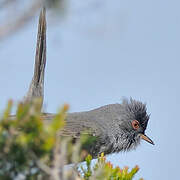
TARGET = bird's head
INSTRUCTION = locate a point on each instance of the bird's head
(132, 126)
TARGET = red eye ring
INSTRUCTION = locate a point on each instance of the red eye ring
(135, 124)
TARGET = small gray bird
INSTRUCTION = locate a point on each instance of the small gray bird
(113, 128)
(116, 127)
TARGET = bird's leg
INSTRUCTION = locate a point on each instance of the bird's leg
(36, 88)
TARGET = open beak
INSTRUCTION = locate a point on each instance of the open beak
(144, 137)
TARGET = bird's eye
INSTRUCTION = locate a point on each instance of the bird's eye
(135, 124)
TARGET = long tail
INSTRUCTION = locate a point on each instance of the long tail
(36, 88)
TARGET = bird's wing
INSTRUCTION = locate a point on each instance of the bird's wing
(72, 128)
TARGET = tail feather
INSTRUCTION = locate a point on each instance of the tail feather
(36, 88)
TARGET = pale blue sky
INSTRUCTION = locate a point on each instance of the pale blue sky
(102, 51)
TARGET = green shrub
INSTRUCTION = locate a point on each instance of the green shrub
(32, 148)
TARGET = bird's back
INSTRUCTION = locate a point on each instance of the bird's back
(94, 121)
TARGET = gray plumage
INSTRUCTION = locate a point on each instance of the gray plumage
(111, 124)
(36, 88)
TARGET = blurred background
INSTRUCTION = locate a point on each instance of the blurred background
(99, 51)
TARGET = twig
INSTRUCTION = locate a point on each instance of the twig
(40, 164)
(11, 27)
(59, 156)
